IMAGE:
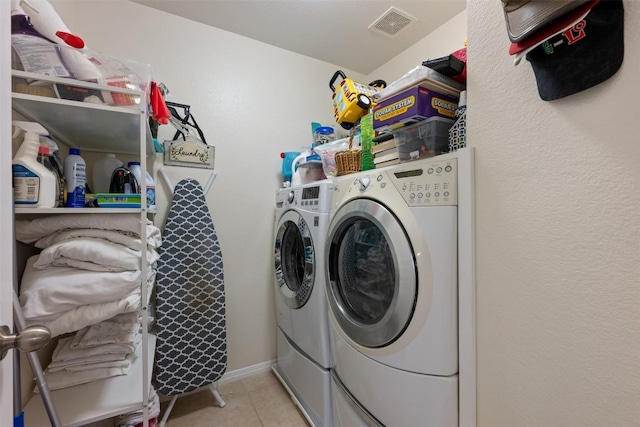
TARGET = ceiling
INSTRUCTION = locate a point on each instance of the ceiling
(335, 31)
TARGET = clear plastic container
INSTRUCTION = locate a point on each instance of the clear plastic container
(424, 139)
(311, 171)
(102, 172)
(324, 135)
(136, 170)
(92, 77)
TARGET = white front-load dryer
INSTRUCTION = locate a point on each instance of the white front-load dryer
(391, 265)
(304, 356)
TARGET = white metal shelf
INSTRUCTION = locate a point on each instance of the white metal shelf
(103, 129)
(90, 127)
(49, 211)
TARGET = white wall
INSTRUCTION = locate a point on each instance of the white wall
(558, 238)
(252, 101)
(446, 39)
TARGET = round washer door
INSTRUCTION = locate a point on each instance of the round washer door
(371, 272)
(294, 259)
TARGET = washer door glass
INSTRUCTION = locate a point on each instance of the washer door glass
(294, 259)
(371, 271)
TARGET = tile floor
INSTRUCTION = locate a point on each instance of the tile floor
(256, 401)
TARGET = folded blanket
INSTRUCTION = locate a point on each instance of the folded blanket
(94, 254)
(86, 315)
(125, 238)
(28, 231)
(59, 289)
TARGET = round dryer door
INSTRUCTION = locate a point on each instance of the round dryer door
(372, 279)
(294, 259)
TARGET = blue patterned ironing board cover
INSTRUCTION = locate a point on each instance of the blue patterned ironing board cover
(191, 350)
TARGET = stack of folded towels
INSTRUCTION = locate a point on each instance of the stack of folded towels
(100, 351)
(87, 279)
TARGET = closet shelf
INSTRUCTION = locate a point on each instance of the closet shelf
(98, 400)
(90, 127)
(49, 211)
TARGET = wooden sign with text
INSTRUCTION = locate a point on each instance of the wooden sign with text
(189, 153)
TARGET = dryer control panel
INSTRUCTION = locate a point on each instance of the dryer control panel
(427, 183)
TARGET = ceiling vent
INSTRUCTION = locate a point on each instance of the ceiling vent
(392, 22)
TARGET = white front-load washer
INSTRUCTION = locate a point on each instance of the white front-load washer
(391, 261)
(304, 356)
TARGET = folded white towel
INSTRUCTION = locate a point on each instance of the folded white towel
(64, 379)
(124, 363)
(64, 356)
(108, 332)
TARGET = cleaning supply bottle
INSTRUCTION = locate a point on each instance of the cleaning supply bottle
(136, 170)
(45, 158)
(103, 171)
(75, 176)
(34, 185)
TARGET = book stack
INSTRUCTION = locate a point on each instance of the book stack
(385, 152)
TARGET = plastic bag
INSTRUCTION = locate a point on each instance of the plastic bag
(327, 153)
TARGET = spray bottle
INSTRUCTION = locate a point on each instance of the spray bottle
(33, 184)
(45, 158)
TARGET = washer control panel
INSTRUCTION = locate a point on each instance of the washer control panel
(314, 198)
(429, 184)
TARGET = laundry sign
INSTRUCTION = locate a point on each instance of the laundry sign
(189, 153)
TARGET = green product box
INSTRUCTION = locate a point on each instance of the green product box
(118, 200)
(366, 140)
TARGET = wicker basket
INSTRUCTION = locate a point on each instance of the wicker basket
(348, 161)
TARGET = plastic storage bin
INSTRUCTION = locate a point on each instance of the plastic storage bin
(424, 139)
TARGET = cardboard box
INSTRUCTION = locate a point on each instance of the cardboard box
(411, 106)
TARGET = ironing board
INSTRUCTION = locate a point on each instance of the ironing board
(191, 349)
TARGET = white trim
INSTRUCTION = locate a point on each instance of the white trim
(248, 371)
(228, 377)
(6, 214)
(466, 289)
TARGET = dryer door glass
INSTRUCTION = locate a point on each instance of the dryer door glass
(372, 279)
(366, 271)
(294, 259)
